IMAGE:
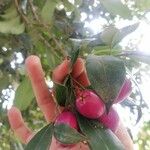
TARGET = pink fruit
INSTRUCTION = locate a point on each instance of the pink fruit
(110, 120)
(125, 91)
(89, 104)
(67, 118)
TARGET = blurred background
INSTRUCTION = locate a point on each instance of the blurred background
(51, 29)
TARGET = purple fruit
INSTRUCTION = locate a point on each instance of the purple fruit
(124, 92)
(68, 118)
(110, 120)
(89, 104)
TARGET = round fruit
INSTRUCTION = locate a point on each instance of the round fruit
(110, 120)
(89, 104)
(67, 118)
(124, 92)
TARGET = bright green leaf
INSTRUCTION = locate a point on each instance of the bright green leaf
(106, 75)
(67, 135)
(69, 6)
(42, 140)
(48, 10)
(143, 5)
(98, 137)
(116, 7)
(24, 95)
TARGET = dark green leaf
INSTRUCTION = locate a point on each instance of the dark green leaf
(74, 56)
(24, 94)
(116, 7)
(106, 75)
(98, 137)
(70, 92)
(61, 94)
(4, 82)
(42, 140)
(67, 135)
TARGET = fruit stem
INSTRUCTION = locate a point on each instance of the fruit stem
(80, 85)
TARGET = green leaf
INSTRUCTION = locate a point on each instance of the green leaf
(70, 92)
(42, 140)
(106, 75)
(61, 93)
(24, 94)
(108, 34)
(48, 10)
(39, 3)
(53, 58)
(123, 32)
(69, 6)
(12, 26)
(98, 137)
(4, 82)
(74, 56)
(67, 135)
(10, 13)
(143, 5)
(11, 22)
(116, 7)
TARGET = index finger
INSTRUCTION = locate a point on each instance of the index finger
(43, 95)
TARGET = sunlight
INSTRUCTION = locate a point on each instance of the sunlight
(96, 25)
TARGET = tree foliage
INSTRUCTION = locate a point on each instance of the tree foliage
(54, 29)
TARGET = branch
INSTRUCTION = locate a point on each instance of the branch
(24, 18)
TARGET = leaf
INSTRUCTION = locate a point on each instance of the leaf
(11, 22)
(67, 135)
(4, 82)
(48, 10)
(10, 13)
(116, 7)
(139, 56)
(24, 94)
(42, 140)
(123, 32)
(61, 93)
(74, 56)
(70, 92)
(98, 137)
(143, 5)
(108, 34)
(69, 6)
(106, 75)
(12, 26)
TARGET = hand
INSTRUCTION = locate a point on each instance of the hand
(47, 104)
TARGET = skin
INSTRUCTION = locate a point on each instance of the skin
(48, 106)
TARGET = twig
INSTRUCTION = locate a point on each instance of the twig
(24, 18)
(33, 11)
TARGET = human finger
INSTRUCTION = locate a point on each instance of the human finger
(124, 137)
(61, 71)
(43, 95)
(18, 125)
(57, 146)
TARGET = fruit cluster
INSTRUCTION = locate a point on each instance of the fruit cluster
(91, 106)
